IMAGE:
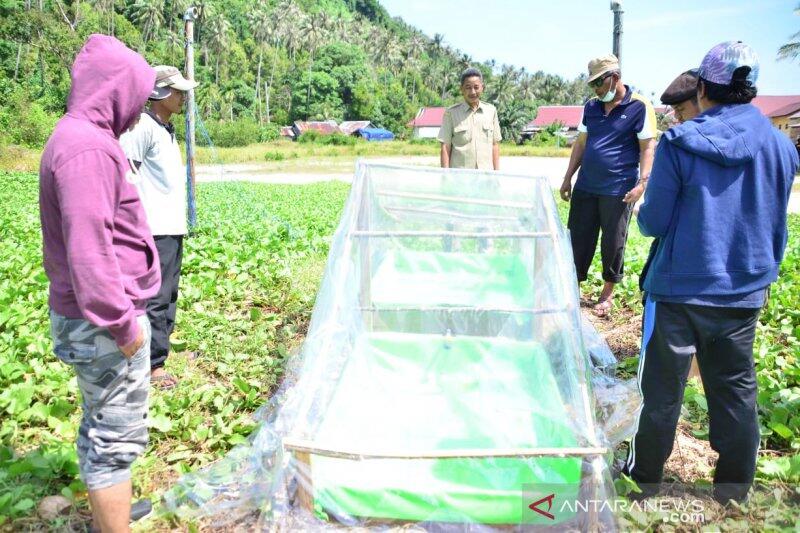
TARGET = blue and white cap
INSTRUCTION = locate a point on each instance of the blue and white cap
(721, 62)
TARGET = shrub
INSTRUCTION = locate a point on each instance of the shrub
(423, 141)
(274, 156)
(269, 132)
(338, 139)
(332, 139)
(543, 138)
(234, 133)
(25, 122)
(310, 136)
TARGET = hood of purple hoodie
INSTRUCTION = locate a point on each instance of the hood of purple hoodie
(110, 84)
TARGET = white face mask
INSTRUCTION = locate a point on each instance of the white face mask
(609, 95)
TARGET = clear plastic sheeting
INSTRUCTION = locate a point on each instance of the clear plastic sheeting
(444, 382)
(599, 353)
(615, 399)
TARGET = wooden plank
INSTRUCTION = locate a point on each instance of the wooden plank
(312, 448)
(305, 484)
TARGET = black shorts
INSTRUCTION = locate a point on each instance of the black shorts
(588, 215)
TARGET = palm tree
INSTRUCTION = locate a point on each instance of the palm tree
(291, 18)
(437, 45)
(390, 53)
(373, 44)
(313, 30)
(282, 28)
(105, 8)
(415, 45)
(512, 117)
(175, 13)
(229, 97)
(414, 49)
(791, 50)
(263, 30)
(218, 39)
(503, 89)
(208, 100)
(173, 41)
(340, 28)
(149, 15)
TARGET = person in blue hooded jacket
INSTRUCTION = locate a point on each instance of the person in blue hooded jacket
(717, 201)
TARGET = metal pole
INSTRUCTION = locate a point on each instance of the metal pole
(616, 7)
(189, 17)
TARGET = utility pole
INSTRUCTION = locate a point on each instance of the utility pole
(189, 17)
(616, 7)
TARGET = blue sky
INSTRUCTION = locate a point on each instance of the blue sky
(660, 39)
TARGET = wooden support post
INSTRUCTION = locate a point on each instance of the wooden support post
(305, 486)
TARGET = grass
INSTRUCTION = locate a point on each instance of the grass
(284, 150)
(19, 158)
(249, 281)
(250, 276)
(287, 156)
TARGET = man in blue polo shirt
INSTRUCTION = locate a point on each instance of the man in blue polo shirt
(717, 203)
(614, 151)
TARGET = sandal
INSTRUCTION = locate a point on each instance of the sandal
(603, 309)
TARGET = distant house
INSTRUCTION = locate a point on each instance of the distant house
(288, 132)
(780, 110)
(794, 127)
(427, 123)
(569, 116)
(351, 127)
(325, 127)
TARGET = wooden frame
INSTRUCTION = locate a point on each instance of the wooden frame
(303, 449)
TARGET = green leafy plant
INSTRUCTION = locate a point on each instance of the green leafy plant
(250, 277)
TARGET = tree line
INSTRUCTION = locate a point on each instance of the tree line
(265, 63)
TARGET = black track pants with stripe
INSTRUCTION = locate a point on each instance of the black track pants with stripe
(722, 338)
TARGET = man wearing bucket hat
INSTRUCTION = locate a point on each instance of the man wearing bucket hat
(614, 152)
(717, 202)
(154, 153)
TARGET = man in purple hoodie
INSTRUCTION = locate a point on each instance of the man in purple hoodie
(103, 267)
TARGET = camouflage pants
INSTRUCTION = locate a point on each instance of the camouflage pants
(113, 429)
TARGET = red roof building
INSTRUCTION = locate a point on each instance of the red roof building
(568, 115)
(287, 131)
(777, 106)
(325, 127)
(428, 117)
(794, 127)
(780, 109)
(427, 122)
(350, 127)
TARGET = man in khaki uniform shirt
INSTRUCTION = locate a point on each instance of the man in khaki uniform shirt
(470, 133)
